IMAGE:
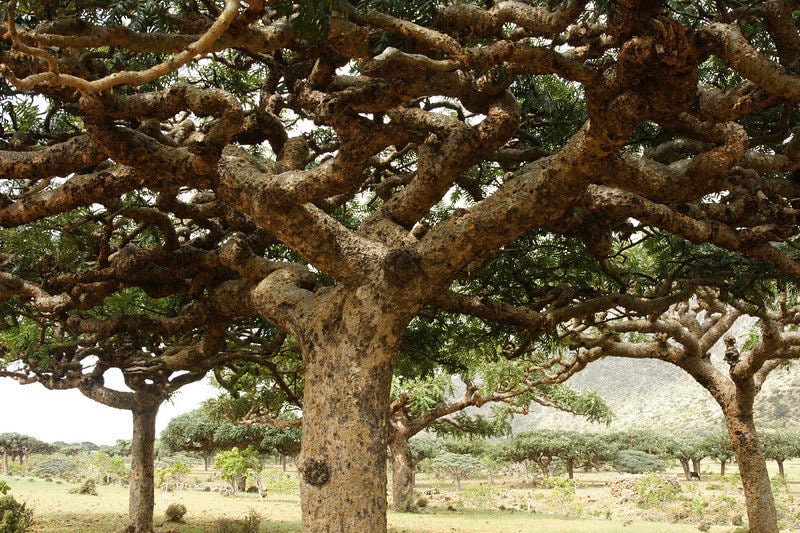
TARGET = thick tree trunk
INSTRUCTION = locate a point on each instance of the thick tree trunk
(761, 512)
(722, 466)
(402, 473)
(349, 350)
(696, 465)
(570, 466)
(142, 487)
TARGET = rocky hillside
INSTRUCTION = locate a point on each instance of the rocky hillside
(655, 394)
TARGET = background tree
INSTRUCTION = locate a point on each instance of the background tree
(457, 465)
(17, 446)
(683, 447)
(549, 142)
(718, 446)
(781, 446)
(685, 336)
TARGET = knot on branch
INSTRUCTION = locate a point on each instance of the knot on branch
(401, 265)
(731, 351)
(671, 87)
(314, 472)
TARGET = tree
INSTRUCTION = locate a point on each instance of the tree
(203, 432)
(637, 462)
(458, 465)
(17, 446)
(684, 448)
(174, 473)
(429, 403)
(781, 446)
(542, 138)
(541, 447)
(685, 335)
(192, 432)
(718, 445)
(235, 464)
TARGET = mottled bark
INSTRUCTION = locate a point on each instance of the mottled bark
(349, 357)
(781, 472)
(722, 463)
(761, 513)
(696, 465)
(142, 484)
(402, 473)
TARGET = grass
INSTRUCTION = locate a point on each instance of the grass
(57, 511)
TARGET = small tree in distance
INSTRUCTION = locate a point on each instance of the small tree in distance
(458, 465)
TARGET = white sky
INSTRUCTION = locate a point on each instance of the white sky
(71, 417)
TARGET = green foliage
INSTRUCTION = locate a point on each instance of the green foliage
(426, 448)
(15, 517)
(478, 496)
(174, 512)
(172, 474)
(4, 487)
(280, 482)
(655, 490)
(104, 468)
(56, 467)
(637, 462)
(780, 445)
(457, 465)
(234, 464)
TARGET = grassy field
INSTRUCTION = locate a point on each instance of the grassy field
(57, 511)
(591, 509)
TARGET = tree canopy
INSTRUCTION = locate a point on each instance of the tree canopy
(177, 174)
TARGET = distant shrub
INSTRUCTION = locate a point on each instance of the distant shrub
(422, 502)
(15, 517)
(174, 512)
(280, 482)
(87, 487)
(249, 524)
(655, 490)
(637, 462)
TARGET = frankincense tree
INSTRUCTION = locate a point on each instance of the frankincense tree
(296, 161)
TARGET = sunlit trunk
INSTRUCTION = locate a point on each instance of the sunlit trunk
(761, 512)
(349, 359)
(142, 483)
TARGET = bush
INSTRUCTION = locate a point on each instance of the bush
(250, 524)
(175, 512)
(655, 490)
(87, 487)
(637, 462)
(15, 517)
(56, 467)
(280, 482)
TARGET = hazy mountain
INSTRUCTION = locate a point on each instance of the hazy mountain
(655, 394)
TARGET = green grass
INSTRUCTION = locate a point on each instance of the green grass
(57, 511)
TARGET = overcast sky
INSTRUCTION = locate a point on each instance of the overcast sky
(71, 417)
